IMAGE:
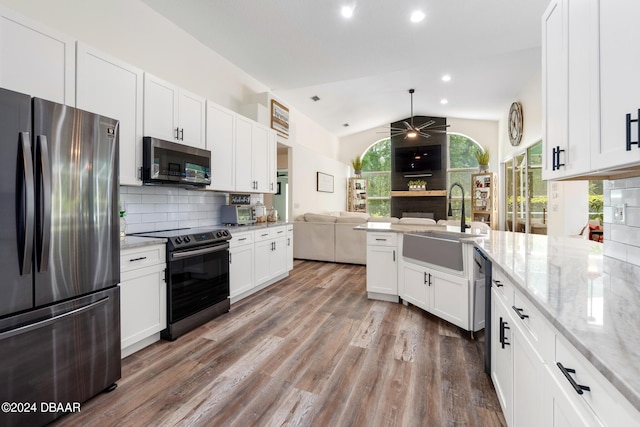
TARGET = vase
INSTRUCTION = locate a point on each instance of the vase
(358, 172)
(483, 168)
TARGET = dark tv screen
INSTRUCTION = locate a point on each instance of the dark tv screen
(418, 159)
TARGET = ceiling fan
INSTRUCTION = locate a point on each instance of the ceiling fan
(412, 131)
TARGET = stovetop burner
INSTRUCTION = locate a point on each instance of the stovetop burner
(184, 238)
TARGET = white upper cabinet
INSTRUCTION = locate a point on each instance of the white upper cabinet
(569, 87)
(261, 158)
(244, 155)
(112, 88)
(221, 141)
(590, 98)
(255, 151)
(173, 114)
(36, 60)
(619, 89)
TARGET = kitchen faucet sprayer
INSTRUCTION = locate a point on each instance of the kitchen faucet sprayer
(463, 226)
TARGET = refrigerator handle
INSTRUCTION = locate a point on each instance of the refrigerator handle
(43, 185)
(28, 205)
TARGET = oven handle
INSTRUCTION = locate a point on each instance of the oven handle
(185, 254)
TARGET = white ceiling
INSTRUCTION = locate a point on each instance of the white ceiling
(362, 68)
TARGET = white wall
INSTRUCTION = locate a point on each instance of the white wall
(135, 33)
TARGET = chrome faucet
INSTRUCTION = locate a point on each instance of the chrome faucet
(463, 226)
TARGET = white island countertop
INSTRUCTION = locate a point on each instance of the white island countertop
(592, 300)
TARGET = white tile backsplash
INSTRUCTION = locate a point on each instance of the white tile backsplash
(151, 208)
(622, 241)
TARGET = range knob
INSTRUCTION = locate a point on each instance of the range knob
(187, 239)
(178, 240)
(225, 232)
(219, 234)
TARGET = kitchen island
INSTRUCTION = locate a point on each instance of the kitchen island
(588, 308)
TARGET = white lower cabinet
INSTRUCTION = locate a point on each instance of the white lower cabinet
(439, 293)
(257, 259)
(382, 266)
(143, 297)
(539, 377)
(241, 261)
(290, 247)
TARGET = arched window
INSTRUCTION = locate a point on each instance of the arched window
(462, 164)
(376, 167)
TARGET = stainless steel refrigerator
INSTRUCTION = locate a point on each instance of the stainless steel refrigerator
(59, 258)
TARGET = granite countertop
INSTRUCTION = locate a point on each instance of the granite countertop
(130, 242)
(396, 227)
(592, 300)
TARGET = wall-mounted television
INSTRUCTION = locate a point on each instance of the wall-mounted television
(425, 158)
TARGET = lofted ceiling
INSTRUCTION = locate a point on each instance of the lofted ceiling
(362, 68)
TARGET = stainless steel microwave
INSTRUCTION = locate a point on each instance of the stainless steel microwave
(165, 162)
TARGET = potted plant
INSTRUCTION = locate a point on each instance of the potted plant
(482, 156)
(357, 165)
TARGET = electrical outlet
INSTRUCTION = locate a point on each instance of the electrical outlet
(620, 214)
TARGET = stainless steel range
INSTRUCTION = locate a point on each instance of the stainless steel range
(197, 277)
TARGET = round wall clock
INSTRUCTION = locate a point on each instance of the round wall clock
(515, 123)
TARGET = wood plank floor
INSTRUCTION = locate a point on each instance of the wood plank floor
(311, 350)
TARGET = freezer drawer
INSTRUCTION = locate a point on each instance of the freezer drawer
(63, 354)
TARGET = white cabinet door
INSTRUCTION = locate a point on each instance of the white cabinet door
(278, 259)
(415, 285)
(289, 247)
(143, 301)
(449, 298)
(272, 154)
(382, 271)
(528, 371)
(241, 261)
(112, 88)
(554, 87)
(244, 155)
(262, 268)
(36, 60)
(501, 356)
(260, 157)
(562, 410)
(191, 119)
(619, 91)
(221, 135)
(160, 109)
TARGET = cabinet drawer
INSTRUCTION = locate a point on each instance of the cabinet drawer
(241, 239)
(382, 239)
(503, 287)
(606, 402)
(533, 325)
(262, 234)
(132, 259)
(278, 232)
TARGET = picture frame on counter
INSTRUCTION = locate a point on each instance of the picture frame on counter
(280, 118)
(324, 182)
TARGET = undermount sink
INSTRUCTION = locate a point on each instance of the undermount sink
(441, 248)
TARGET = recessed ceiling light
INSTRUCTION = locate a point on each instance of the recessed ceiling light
(446, 78)
(417, 16)
(347, 11)
(346, 125)
(444, 101)
(315, 98)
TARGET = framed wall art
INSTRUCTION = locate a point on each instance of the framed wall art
(280, 118)
(325, 182)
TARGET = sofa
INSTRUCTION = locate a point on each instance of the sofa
(330, 236)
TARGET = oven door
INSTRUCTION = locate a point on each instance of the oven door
(198, 278)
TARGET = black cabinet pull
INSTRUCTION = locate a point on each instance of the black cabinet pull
(240, 240)
(556, 158)
(553, 159)
(497, 283)
(394, 256)
(425, 277)
(137, 259)
(177, 133)
(503, 337)
(558, 164)
(629, 121)
(429, 279)
(182, 134)
(519, 312)
(577, 387)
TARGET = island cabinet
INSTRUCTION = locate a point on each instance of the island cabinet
(112, 88)
(172, 113)
(143, 296)
(382, 266)
(36, 60)
(539, 377)
(441, 294)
